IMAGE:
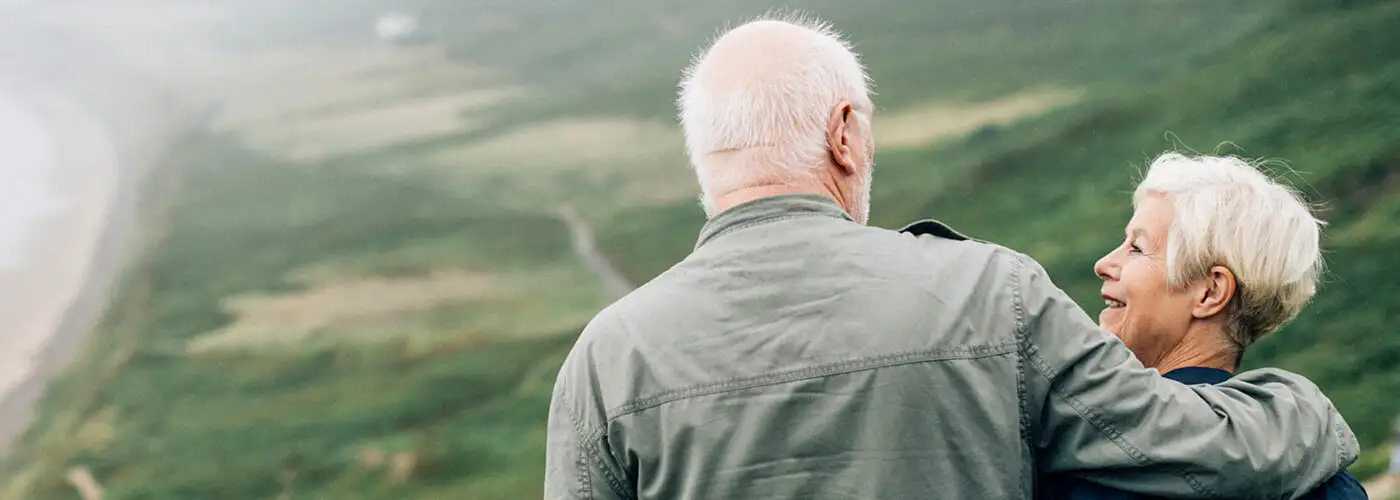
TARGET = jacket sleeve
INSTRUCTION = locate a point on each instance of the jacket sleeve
(575, 466)
(1097, 413)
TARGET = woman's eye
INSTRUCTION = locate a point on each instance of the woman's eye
(1134, 248)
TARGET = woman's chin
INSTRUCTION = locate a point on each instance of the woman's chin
(1109, 319)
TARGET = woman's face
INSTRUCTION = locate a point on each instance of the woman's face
(1142, 309)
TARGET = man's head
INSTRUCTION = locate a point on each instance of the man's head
(776, 106)
(1213, 245)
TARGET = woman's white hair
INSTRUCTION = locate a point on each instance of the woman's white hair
(1228, 213)
(754, 106)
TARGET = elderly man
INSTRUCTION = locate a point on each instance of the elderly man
(799, 353)
(1216, 256)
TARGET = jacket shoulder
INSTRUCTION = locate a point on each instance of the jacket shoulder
(942, 240)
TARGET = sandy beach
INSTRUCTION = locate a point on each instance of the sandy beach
(55, 284)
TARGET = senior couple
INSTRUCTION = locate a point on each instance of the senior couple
(799, 353)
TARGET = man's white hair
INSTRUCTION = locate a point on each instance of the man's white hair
(1229, 213)
(755, 105)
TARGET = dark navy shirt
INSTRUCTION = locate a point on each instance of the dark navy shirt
(1343, 485)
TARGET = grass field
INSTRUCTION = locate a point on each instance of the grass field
(362, 289)
(297, 400)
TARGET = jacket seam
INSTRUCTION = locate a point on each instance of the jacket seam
(1337, 431)
(585, 482)
(590, 443)
(811, 372)
(1091, 414)
(1020, 316)
(594, 441)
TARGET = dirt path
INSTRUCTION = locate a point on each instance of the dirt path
(587, 250)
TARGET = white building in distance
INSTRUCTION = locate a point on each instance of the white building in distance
(395, 27)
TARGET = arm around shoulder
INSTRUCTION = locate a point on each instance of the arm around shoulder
(1096, 412)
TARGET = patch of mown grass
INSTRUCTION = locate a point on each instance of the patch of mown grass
(247, 222)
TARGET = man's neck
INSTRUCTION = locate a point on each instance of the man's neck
(745, 195)
(1202, 347)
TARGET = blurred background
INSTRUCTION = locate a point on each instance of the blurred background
(300, 249)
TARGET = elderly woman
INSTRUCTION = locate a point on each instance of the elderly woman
(1215, 257)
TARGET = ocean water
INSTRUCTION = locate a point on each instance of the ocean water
(27, 194)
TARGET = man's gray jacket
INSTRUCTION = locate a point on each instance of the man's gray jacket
(798, 354)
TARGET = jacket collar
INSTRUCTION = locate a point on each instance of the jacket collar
(770, 209)
(935, 228)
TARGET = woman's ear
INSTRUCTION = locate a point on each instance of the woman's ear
(1219, 290)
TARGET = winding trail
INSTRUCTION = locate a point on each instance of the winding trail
(586, 247)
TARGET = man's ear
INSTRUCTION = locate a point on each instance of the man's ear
(839, 130)
(1219, 288)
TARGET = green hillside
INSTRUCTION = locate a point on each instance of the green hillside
(387, 323)
(627, 56)
(457, 386)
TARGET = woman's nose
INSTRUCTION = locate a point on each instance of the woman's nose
(1106, 268)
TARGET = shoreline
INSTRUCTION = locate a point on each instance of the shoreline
(86, 94)
(98, 197)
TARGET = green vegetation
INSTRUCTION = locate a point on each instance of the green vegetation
(457, 384)
(460, 389)
(611, 58)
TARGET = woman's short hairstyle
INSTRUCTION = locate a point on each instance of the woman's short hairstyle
(1229, 213)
